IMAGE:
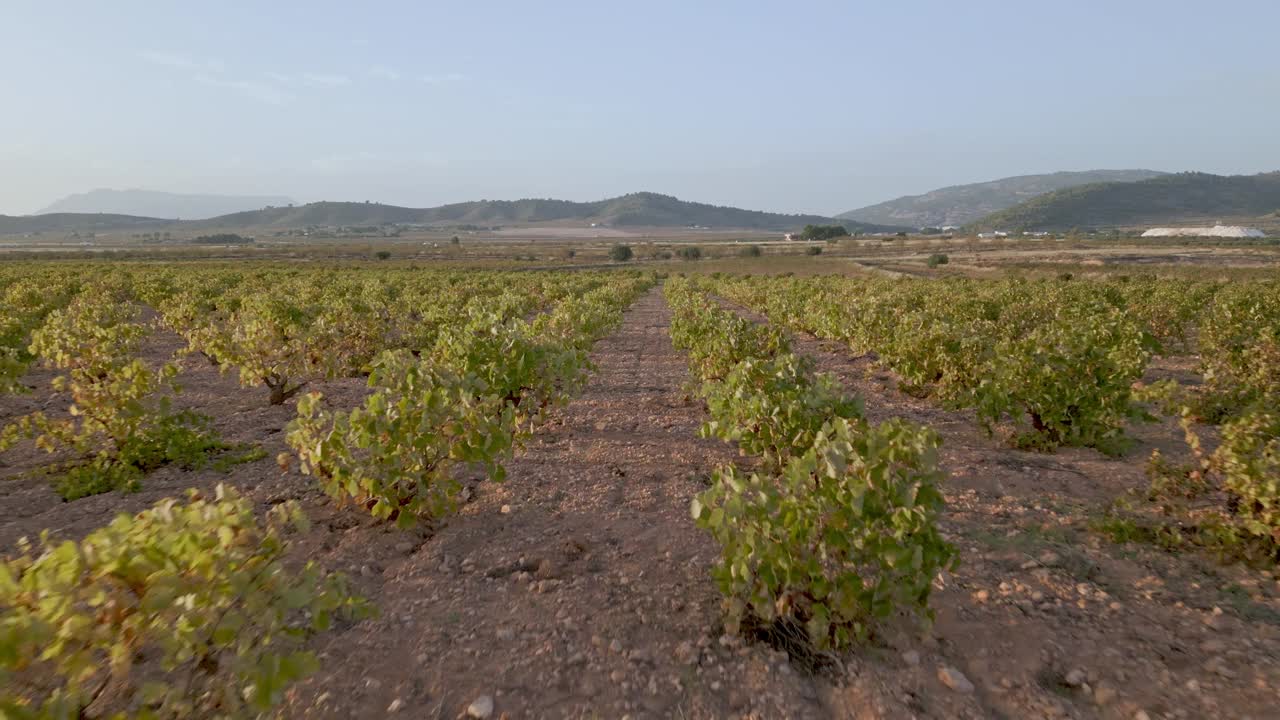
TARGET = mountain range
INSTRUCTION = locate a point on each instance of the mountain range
(642, 209)
(960, 205)
(1168, 199)
(154, 204)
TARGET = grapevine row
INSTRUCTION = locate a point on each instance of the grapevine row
(838, 526)
(468, 401)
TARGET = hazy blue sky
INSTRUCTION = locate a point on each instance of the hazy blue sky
(795, 106)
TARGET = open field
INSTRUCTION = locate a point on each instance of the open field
(649, 418)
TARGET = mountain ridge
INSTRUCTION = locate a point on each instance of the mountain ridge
(642, 209)
(159, 204)
(1177, 198)
(963, 204)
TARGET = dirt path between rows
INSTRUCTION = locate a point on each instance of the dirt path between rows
(1048, 619)
(578, 588)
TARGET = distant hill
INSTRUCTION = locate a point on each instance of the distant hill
(962, 204)
(1168, 199)
(634, 210)
(75, 222)
(150, 203)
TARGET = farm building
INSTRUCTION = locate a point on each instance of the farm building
(1223, 231)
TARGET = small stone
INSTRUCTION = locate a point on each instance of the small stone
(505, 509)
(405, 547)
(481, 708)
(395, 705)
(617, 676)
(1075, 678)
(547, 569)
(505, 634)
(955, 680)
(911, 657)
(686, 653)
(981, 596)
(1141, 715)
(1104, 694)
(615, 646)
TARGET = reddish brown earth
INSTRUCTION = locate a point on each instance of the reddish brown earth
(580, 587)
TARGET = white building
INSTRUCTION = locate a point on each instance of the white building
(1222, 231)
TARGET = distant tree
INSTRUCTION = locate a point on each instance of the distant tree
(620, 253)
(813, 250)
(937, 259)
(383, 254)
(902, 234)
(823, 232)
(690, 252)
(570, 253)
(455, 240)
(751, 251)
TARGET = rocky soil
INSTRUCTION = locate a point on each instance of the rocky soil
(580, 588)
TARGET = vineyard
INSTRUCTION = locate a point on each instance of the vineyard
(246, 489)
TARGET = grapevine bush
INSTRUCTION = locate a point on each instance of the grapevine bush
(120, 423)
(396, 454)
(838, 528)
(775, 407)
(198, 590)
(844, 534)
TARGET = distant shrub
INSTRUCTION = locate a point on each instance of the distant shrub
(455, 240)
(813, 250)
(570, 253)
(937, 259)
(620, 253)
(751, 251)
(218, 239)
(690, 252)
(383, 254)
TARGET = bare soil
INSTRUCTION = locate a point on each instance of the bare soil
(580, 588)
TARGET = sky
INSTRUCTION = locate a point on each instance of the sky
(800, 106)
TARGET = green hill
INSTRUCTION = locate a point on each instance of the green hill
(1180, 198)
(634, 210)
(963, 204)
